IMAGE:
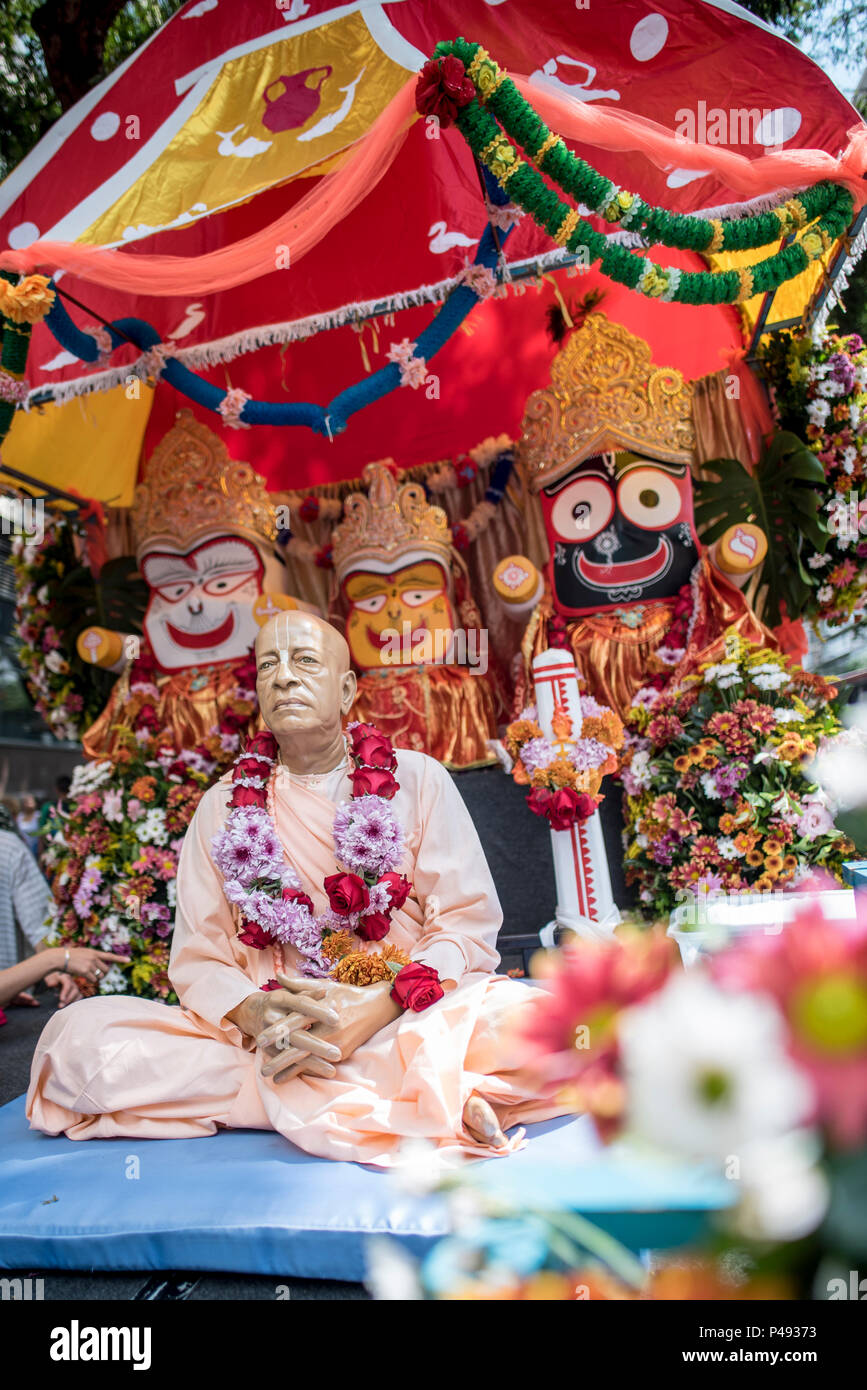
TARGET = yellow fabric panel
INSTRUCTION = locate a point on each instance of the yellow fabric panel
(92, 443)
(225, 154)
(790, 300)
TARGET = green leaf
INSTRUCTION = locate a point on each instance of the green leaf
(781, 496)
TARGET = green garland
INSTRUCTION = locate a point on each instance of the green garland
(827, 206)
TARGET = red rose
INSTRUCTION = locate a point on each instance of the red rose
(270, 984)
(147, 718)
(454, 80)
(374, 781)
(247, 796)
(294, 895)
(262, 745)
(538, 801)
(347, 893)
(372, 747)
(251, 767)
(416, 987)
(566, 807)
(373, 926)
(253, 935)
(398, 888)
(443, 88)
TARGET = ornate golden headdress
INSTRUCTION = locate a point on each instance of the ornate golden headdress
(192, 486)
(387, 521)
(605, 394)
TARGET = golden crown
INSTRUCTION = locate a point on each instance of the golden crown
(605, 394)
(387, 521)
(192, 487)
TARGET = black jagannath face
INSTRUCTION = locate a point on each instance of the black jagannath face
(619, 539)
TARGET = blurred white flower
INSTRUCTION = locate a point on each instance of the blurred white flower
(784, 1193)
(840, 768)
(392, 1275)
(420, 1168)
(706, 1070)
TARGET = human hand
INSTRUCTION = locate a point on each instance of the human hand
(360, 1013)
(69, 990)
(86, 962)
(280, 1021)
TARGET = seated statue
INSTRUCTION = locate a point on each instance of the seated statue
(272, 923)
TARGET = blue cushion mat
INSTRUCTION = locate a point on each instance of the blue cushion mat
(248, 1201)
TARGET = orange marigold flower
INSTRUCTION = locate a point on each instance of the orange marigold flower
(709, 761)
(754, 858)
(773, 864)
(683, 763)
(772, 846)
(145, 788)
(337, 944)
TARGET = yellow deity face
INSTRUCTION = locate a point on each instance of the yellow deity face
(389, 615)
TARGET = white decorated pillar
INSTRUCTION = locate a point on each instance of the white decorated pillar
(585, 903)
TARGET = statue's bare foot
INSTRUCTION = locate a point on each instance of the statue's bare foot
(481, 1123)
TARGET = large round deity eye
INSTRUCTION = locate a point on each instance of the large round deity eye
(374, 604)
(649, 498)
(414, 598)
(582, 509)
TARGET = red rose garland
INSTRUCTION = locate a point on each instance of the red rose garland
(367, 838)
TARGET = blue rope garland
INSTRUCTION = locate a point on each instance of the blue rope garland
(329, 420)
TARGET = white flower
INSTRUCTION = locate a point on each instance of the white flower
(784, 715)
(818, 411)
(817, 562)
(113, 981)
(784, 1194)
(152, 830)
(86, 777)
(172, 892)
(825, 593)
(723, 670)
(708, 782)
(706, 1070)
(849, 456)
(771, 681)
(392, 1275)
(728, 849)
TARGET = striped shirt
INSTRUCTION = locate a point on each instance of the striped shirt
(24, 895)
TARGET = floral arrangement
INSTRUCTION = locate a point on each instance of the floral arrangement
(368, 841)
(819, 391)
(24, 301)
(67, 694)
(462, 85)
(564, 773)
(114, 854)
(716, 795)
(753, 1063)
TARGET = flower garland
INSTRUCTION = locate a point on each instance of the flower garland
(565, 773)
(819, 391)
(66, 692)
(368, 840)
(443, 90)
(23, 302)
(716, 797)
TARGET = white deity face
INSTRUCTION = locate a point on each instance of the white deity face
(200, 610)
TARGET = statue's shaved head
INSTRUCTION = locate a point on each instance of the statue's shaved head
(292, 627)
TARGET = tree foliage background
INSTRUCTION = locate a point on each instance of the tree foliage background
(53, 51)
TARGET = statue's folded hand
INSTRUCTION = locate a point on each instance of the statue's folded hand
(360, 1012)
(279, 1022)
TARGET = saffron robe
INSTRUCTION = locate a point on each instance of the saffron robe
(116, 1065)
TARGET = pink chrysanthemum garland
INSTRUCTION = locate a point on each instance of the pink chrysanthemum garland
(368, 841)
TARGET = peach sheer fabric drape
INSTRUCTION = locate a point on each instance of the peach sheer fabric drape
(336, 195)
